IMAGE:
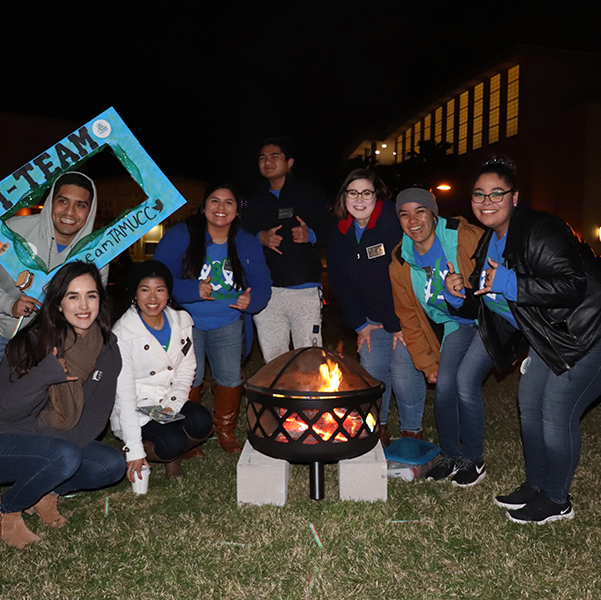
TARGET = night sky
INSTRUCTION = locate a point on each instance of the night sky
(201, 87)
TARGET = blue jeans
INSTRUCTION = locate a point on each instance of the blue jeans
(170, 439)
(394, 368)
(38, 465)
(459, 405)
(551, 407)
(3, 343)
(223, 348)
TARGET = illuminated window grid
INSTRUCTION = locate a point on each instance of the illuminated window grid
(400, 149)
(513, 98)
(450, 125)
(478, 112)
(495, 103)
(427, 128)
(408, 142)
(438, 125)
(463, 117)
(417, 136)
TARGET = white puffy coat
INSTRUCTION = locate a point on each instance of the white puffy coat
(150, 375)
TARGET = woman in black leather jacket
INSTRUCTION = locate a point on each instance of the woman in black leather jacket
(537, 284)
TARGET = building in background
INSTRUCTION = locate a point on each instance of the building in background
(540, 107)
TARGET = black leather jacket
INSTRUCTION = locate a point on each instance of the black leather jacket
(558, 309)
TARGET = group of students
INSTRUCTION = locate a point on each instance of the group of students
(431, 299)
(450, 299)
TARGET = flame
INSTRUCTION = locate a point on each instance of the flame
(331, 376)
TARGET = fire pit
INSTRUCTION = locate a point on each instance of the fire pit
(313, 406)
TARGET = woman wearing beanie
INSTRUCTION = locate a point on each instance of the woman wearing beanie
(359, 252)
(536, 283)
(155, 339)
(446, 348)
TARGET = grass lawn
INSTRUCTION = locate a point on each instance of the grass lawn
(187, 539)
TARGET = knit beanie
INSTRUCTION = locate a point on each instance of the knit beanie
(420, 196)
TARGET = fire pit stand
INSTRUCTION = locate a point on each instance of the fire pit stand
(291, 418)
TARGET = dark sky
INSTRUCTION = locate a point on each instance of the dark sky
(200, 87)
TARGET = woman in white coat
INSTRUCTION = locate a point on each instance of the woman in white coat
(155, 339)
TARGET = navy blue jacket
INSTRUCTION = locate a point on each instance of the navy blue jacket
(362, 284)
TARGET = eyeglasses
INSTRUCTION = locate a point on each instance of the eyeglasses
(496, 196)
(365, 194)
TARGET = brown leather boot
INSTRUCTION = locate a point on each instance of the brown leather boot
(48, 511)
(384, 435)
(225, 415)
(193, 448)
(418, 435)
(196, 393)
(173, 468)
(14, 531)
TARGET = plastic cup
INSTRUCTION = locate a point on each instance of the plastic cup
(140, 486)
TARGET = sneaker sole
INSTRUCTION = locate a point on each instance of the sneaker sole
(508, 505)
(452, 474)
(550, 519)
(471, 483)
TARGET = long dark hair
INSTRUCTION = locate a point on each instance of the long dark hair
(196, 253)
(382, 192)
(49, 328)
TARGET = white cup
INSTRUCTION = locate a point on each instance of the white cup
(140, 486)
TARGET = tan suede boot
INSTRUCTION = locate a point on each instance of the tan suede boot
(225, 415)
(384, 435)
(48, 511)
(173, 468)
(14, 531)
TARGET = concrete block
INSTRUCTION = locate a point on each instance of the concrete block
(364, 478)
(261, 479)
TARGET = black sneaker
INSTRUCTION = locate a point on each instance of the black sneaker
(469, 472)
(542, 510)
(518, 498)
(445, 466)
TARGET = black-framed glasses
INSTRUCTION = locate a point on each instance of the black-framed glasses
(496, 196)
(365, 194)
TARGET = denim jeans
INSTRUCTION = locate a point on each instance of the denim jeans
(394, 368)
(458, 402)
(37, 465)
(170, 439)
(551, 407)
(223, 348)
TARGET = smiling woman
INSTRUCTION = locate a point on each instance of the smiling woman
(58, 382)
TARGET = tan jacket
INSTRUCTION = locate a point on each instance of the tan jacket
(422, 343)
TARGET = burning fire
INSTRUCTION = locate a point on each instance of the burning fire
(331, 376)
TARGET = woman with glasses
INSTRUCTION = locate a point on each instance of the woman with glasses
(444, 347)
(536, 282)
(359, 253)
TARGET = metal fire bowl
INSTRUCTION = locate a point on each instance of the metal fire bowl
(264, 423)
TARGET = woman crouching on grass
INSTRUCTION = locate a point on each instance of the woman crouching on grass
(58, 382)
(536, 282)
(155, 338)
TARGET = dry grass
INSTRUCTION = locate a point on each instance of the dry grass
(189, 540)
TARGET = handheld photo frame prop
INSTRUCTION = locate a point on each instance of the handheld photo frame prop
(27, 186)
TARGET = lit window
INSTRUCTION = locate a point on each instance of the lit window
(513, 98)
(493, 114)
(462, 137)
(417, 136)
(438, 125)
(478, 110)
(427, 128)
(450, 125)
(408, 143)
(400, 154)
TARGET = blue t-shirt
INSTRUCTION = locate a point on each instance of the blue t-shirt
(505, 283)
(163, 335)
(434, 262)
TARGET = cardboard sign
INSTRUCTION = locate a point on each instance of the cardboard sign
(26, 186)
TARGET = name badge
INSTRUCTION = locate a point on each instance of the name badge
(375, 251)
(187, 346)
(227, 265)
(285, 213)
